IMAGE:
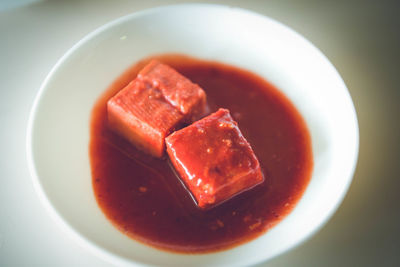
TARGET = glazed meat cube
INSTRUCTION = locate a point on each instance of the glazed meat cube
(179, 91)
(140, 113)
(158, 101)
(213, 159)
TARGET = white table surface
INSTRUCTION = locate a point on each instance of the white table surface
(361, 38)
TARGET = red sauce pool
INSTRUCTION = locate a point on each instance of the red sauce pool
(143, 197)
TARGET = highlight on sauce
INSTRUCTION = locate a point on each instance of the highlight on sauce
(144, 197)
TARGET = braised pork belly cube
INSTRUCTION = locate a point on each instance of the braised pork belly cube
(213, 159)
(140, 114)
(179, 91)
(157, 102)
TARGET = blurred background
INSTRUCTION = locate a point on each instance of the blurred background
(360, 38)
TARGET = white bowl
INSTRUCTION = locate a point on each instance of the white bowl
(58, 135)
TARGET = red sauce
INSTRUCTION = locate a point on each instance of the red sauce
(143, 197)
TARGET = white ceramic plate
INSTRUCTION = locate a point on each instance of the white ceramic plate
(58, 135)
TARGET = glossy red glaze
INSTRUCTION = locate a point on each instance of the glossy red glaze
(213, 159)
(143, 197)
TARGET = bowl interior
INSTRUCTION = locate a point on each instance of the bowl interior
(58, 134)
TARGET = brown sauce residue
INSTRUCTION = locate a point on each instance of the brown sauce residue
(143, 197)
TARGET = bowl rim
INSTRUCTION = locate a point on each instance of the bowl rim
(85, 242)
